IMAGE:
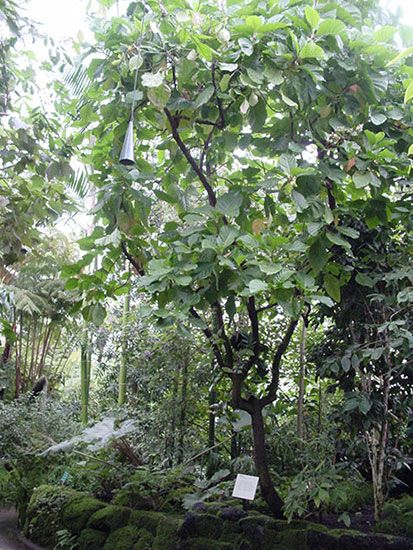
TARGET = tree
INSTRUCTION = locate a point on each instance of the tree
(368, 351)
(268, 128)
(34, 158)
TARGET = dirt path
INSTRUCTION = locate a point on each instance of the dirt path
(10, 539)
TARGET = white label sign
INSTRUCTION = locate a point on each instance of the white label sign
(245, 487)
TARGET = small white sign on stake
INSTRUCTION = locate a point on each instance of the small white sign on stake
(245, 487)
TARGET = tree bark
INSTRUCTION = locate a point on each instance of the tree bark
(182, 412)
(170, 442)
(268, 491)
(212, 397)
(123, 358)
(83, 378)
(301, 386)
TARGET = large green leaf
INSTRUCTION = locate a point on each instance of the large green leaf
(312, 50)
(332, 286)
(230, 203)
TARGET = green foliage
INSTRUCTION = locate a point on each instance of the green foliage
(155, 490)
(315, 490)
(397, 518)
(66, 541)
(26, 425)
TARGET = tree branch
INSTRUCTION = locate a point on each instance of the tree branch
(237, 401)
(208, 333)
(139, 269)
(219, 102)
(200, 121)
(174, 121)
(276, 363)
(221, 332)
(252, 314)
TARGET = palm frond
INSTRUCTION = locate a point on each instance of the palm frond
(77, 80)
(78, 182)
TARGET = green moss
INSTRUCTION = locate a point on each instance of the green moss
(204, 543)
(146, 519)
(77, 512)
(242, 544)
(252, 525)
(125, 538)
(145, 540)
(109, 518)
(405, 503)
(133, 497)
(216, 507)
(409, 524)
(201, 525)
(91, 539)
(290, 540)
(44, 513)
(229, 530)
(167, 534)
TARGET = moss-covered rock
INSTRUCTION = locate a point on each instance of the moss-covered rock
(288, 539)
(205, 543)
(201, 525)
(91, 539)
(347, 539)
(133, 497)
(146, 519)
(125, 538)
(77, 512)
(231, 513)
(254, 525)
(44, 513)
(109, 518)
(167, 534)
(230, 530)
(242, 544)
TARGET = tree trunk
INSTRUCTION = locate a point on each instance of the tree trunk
(301, 387)
(212, 397)
(182, 412)
(234, 445)
(123, 358)
(171, 439)
(83, 378)
(269, 494)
